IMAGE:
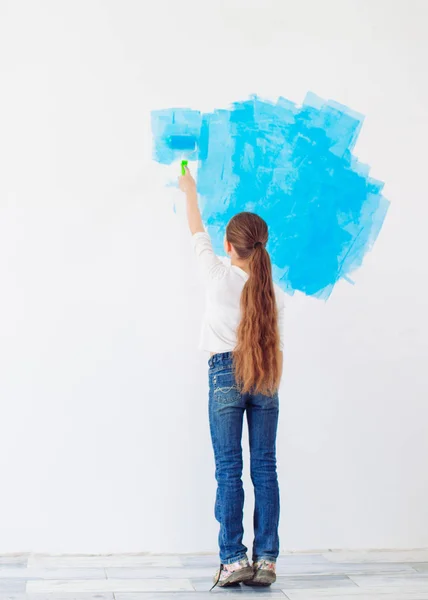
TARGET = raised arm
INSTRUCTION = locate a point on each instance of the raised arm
(210, 265)
(188, 186)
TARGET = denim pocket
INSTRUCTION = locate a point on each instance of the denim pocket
(225, 389)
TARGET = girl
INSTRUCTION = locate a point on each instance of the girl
(242, 332)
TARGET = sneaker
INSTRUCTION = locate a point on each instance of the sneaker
(233, 573)
(264, 573)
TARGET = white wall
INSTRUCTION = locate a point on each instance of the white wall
(104, 440)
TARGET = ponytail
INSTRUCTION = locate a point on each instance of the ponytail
(257, 360)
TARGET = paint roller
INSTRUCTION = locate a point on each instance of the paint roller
(183, 144)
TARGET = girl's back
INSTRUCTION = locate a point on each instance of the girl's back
(224, 285)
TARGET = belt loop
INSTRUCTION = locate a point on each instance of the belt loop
(220, 358)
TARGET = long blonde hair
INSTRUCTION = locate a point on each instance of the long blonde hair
(256, 357)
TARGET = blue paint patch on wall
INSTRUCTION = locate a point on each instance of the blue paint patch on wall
(294, 167)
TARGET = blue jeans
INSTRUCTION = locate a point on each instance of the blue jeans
(226, 411)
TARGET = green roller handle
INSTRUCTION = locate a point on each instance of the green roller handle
(183, 166)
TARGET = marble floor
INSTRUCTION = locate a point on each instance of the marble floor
(330, 575)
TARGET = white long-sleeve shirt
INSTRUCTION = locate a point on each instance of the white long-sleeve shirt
(224, 284)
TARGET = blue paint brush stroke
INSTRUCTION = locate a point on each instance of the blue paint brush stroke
(293, 165)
